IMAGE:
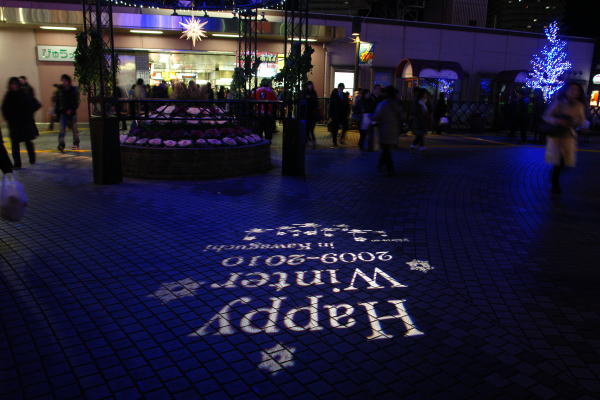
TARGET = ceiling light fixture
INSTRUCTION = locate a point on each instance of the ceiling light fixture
(59, 28)
(146, 31)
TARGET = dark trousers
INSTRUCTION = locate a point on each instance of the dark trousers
(335, 125)
(385, 159)
(419, 138)
(555, 177)
(310, 130)
(362, 140)
(266, 127)
(16, 152)
(5, 164)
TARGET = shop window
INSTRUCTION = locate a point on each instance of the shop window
(347, 78)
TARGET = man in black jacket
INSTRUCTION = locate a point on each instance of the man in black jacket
(67, 102)
(339, 109)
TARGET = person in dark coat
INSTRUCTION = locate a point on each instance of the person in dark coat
(18, 108)
(26, 87)
(339, 109)
(364, 109)
(421, 119)
(539, 107)
(441, 108)
(310, 102)
(67, 102)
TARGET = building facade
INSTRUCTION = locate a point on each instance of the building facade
(524, 15)
(404, 53)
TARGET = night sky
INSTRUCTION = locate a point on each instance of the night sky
(582, 18)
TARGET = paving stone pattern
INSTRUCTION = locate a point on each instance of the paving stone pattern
(105, 290)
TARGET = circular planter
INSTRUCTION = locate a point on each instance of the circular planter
(194, 163)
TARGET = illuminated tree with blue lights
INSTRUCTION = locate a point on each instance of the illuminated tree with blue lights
(549, 65)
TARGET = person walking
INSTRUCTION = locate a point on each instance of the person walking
(67, 102)
(339, 109)
(221, 95)
(18, 108)
(564, 116)
(26, 87)
(311, 110)
(387, 118)
(364, 108)
(441, 108)
(266, 118)
(421, 120)
(539, 107)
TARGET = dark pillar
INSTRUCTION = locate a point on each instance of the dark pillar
(106, 150)
(294, 144)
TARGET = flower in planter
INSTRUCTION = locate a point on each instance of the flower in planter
(122, 138)
(141, 141)
(215, 142)
(184, 143)
(131, 139)
(229, 141)
(170, 143)
(256, 137)
(201, 142)
(155, 142)
(218, 110)
(241, 140)
(193, 111)
(250, 139)
(221, 122)
(193, 121)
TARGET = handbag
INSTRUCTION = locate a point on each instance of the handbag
(13, 201)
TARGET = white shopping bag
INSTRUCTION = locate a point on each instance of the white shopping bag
(13, 201)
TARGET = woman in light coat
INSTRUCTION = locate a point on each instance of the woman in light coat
(387, 118)
(566, 111)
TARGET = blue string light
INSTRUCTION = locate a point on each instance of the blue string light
(549, 65)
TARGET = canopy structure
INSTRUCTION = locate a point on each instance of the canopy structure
(202, 4)
(435, 69)
(512, 76)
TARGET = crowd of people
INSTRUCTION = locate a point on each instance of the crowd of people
(378, 114)
(177, 90)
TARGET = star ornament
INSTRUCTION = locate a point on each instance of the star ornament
(193, 29)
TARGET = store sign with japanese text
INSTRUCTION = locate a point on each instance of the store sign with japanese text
(56, 53)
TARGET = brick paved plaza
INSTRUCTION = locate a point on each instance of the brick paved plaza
(460, 278)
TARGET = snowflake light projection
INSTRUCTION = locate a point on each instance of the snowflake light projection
(420, 265)
(277, 358)
(193, 29)
(549, 65)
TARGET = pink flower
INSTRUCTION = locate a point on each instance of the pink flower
(170, 143)
(215, 142)
(250, 139)
(155, 142)
(131, 139)
(241, 140)
(184, 143)
(142, 141)
(229, 141)
(122, 138)
(201, 142)
(193, 110)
